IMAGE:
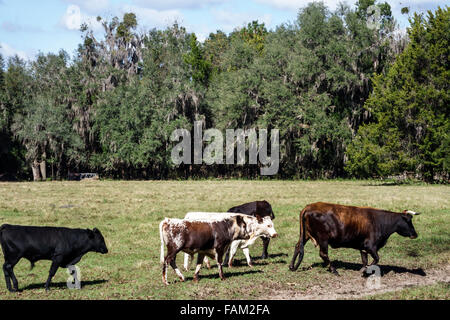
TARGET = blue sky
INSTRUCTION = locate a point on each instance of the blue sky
(27, 27)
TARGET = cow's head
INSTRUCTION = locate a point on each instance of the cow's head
(265, 209)
(97, 241)
(264, 227)
(405, 227)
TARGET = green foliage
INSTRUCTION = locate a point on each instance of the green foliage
(201, 68)
(215, 46)
(124, 28)
(44, 127)
(3, 115)
(305, 82)
(254, 34)
(410, 107)
(112, 107)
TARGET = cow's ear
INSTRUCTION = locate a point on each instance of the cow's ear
(96, 230)
(91, 234)
(240, 221)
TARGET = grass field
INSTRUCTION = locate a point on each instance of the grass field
(128, 214)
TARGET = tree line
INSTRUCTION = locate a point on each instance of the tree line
(350, 99)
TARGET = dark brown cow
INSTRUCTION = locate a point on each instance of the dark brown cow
(256, 208)
(207, 238)
(362, 228)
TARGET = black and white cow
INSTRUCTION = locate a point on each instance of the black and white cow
(257, 209)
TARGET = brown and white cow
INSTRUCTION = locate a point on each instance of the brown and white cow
(207, 238)
(266, 229)
(362, 228)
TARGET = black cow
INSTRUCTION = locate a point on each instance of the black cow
(63, 246)
(256, 208)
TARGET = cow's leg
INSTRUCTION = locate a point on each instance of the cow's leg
(364, 260)
(206, 261)
(228, 257)
(200, 258)
(247, 256)
(164, 272)
(9, 274)
(266, 242)
(56, 262)
(324, 255)
(171, 259)
(232, 251)
(373, 253)
(219, 258)
(187, 261)
(173, 264)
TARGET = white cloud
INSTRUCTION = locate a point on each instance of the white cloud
(418, 5)
(176, 4)
(153, 18)
(8, 51)
(91, 6)
(297, 4)
(332, 4)
(73, 18)
(229, 20)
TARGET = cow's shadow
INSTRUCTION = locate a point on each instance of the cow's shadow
(227, 274)
(260, 261)
(385, 269)
(276, 255)
(61, 285)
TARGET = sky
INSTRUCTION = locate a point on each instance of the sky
(28, 27)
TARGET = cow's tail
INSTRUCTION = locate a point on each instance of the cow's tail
(2, 227)
(299, 248)
(161, 235)
(31, 265)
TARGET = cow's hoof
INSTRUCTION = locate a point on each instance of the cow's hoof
(264, 256)
(334, 272)
(363, 270)
(250, 265)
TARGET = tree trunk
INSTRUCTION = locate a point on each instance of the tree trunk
(43, 170)
(35, 169)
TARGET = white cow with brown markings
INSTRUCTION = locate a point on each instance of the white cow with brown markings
(207, 238)
(265, 229)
